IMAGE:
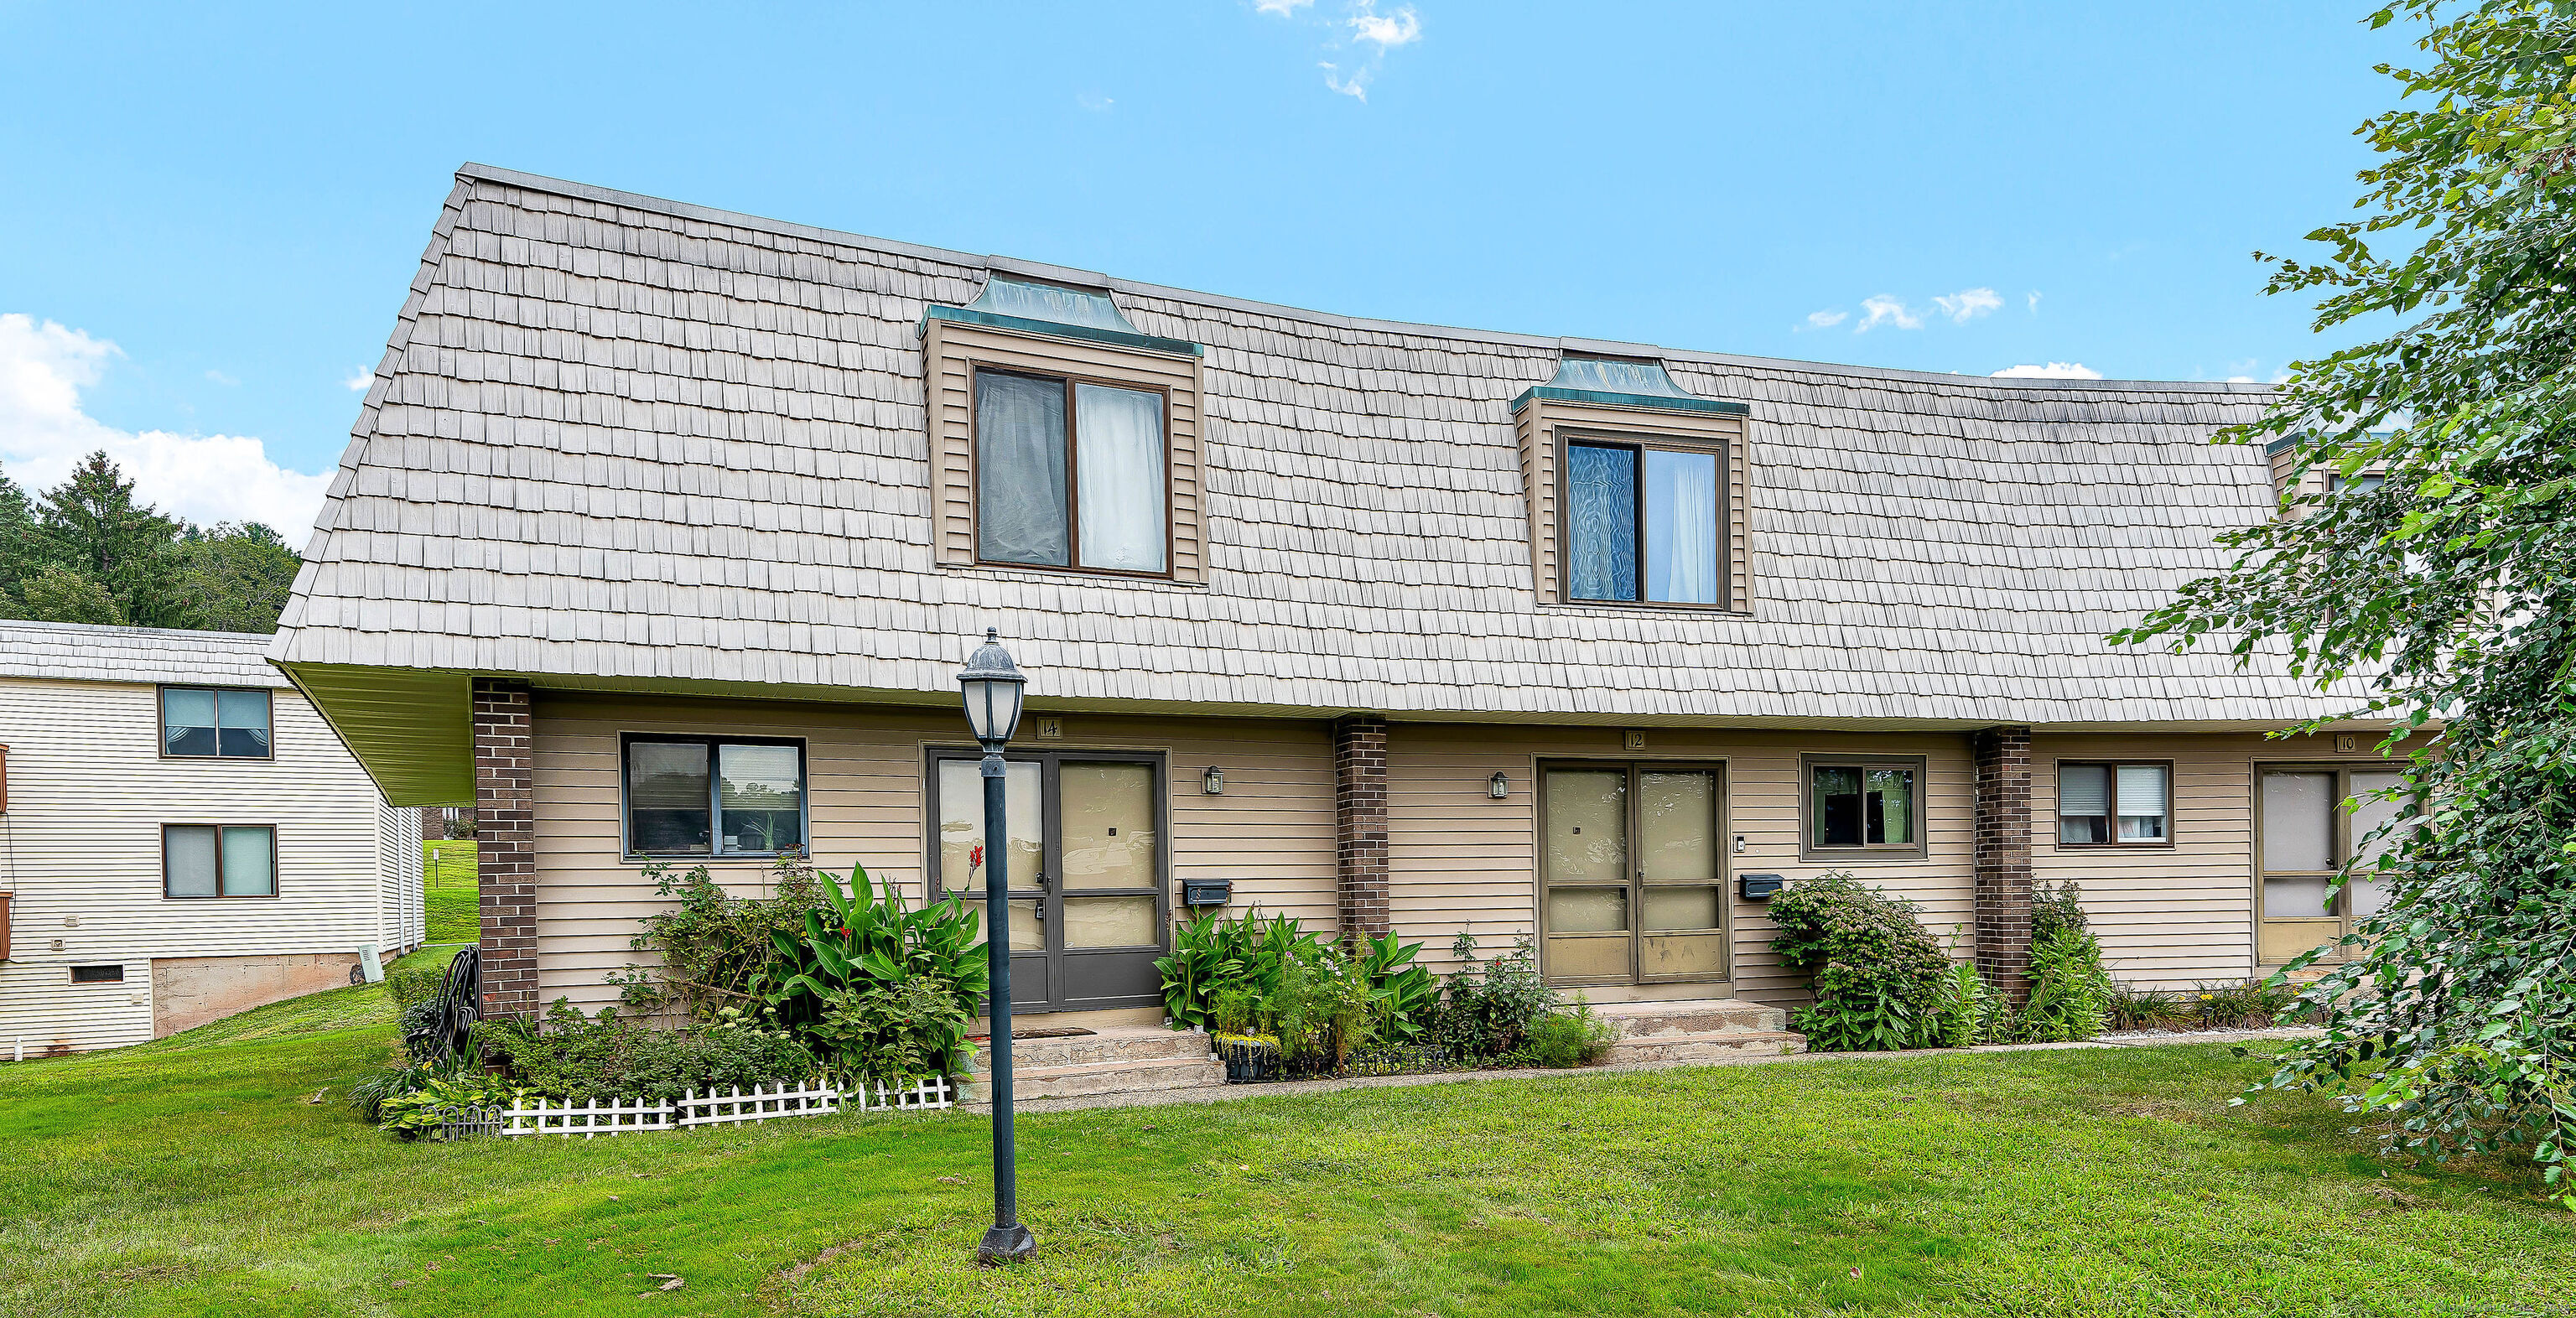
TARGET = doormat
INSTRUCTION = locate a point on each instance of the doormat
(1067, 1032)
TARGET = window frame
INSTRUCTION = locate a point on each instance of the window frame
(976, 369)
(2344, 840)
(2173, 811)
(161, 722)
(1868, 852)
(117, 966)
(276, 865)
(1639, 442)
(715, 796)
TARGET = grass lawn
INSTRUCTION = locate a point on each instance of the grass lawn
(447, 886)
(192, 1176)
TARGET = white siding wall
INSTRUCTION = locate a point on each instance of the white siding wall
(80, 847)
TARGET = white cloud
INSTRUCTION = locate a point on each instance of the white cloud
(222, 379)
(1283, 8)
(1826, 319)
(2034, 301)
(358, 383)
(1400, 28)
(1968, 303)
(1094, 102)
(1885, 310)
(1356, 85)
(2051, 371)
(204, 478)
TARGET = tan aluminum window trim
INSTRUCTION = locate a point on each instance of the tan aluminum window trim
(1866, 853)
(2173, 812)
(1072, 469)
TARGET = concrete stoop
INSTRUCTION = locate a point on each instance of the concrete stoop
(1705, 1030)
(1114, 1060)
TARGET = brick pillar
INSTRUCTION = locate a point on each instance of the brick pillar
(1359, 812)
(505, 834)
(2003, 860)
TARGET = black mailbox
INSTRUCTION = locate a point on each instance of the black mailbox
(1760, 887)
(1206, 892)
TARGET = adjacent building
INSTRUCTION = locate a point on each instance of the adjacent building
(663, 532)
(181, 837)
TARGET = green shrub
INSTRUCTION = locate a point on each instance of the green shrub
(711, 946)
(868, 939)
(2246, 1004)
(579, 1058)
(1880, 980)
(1403, 993)
(897, 1031)
(2056, 909)
(416, 985)
(1968, 1013)
(1570, 1038)
(1321, 1010)
(1487, 1010)
(1213, 955)
(2070, 995)
(368, 1096)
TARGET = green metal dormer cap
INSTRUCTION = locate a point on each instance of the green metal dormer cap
(1032, 307)
(1610, 382)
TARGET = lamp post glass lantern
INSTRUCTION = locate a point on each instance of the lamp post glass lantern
(991, 686)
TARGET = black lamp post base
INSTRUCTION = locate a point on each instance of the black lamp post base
(1006, 1244)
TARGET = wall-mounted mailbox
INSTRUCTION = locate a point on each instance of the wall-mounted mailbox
(1206, 892)
(1760, 887)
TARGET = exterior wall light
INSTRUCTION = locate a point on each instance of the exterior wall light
(1213, 781)
(1499, 788)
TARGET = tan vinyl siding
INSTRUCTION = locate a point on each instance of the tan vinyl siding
(1459, 859)
(2172, 917)
(1271, 832)
(951, 352)
(1540, 427)
(80, 849)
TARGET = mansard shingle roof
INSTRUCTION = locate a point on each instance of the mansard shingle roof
(621, 441)
(80, 652)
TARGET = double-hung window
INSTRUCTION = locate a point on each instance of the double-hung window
(714, 796)
(199, 722)
(1864, 805)
(218, 860)
(2114, 804)
(1642, 523)
(1070, 473)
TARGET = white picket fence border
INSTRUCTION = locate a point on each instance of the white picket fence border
(812, 1098)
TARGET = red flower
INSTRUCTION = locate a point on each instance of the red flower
(975, 858)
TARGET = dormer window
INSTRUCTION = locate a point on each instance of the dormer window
(1069, 473)
(1641, 523)
(1636, 488)
(1062, 437)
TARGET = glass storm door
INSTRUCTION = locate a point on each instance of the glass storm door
(2311, 826)
(1632, 880)
(1087, 851)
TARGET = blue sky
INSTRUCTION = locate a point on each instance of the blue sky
(209, 214)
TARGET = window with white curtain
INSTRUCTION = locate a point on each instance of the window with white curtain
(1641, 523)
(2109, 804)
(1069, 473)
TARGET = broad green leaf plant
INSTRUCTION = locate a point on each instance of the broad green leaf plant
(2444, 597)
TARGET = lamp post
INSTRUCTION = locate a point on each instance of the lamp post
(992, 686)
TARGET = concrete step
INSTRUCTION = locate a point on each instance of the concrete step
(1706, 1046)
(1111, 1044)
(1082, 1080)
(1642, 1020)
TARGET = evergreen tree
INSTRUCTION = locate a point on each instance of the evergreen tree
(91, 525)
(20, 554)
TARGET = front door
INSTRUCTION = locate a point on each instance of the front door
(2311, 827)
(1084, 868)
(1632, 877)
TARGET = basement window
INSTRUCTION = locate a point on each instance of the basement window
(98, 974)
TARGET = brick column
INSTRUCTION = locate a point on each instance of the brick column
(505, 837)
(2003, 860)
(1359, 811)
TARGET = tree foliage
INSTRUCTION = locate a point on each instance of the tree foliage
(86, 551)
(2444, 596)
